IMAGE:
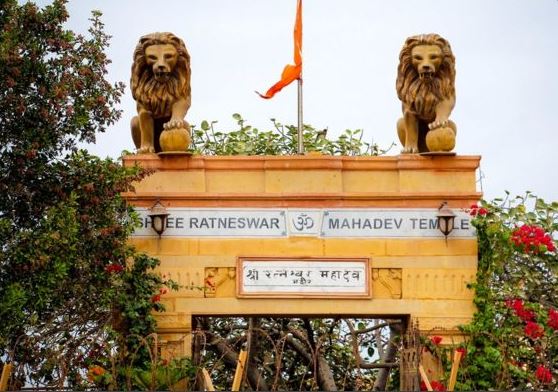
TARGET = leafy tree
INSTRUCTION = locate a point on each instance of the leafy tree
(71, 289)
(300, 354)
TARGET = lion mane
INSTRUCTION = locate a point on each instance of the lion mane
(423, 95)
(156, 96)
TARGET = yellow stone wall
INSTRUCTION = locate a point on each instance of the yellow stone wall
(423, 278)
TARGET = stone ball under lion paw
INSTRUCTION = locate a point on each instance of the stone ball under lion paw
(440, 139)
(175, 139)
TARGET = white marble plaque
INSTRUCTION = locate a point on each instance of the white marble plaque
(270, 277)
(274, 222)
(391, 223)
(190, 222)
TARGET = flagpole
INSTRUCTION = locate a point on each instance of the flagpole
(300, 149)
(290, 73)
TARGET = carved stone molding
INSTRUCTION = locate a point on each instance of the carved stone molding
(386, 283)
(438, 283)
(442, 325)
(219, 282)
(190, 281)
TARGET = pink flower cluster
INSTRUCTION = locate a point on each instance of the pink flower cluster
(157, 297)
(475, 210)
(532, 239)
(553, 319)
(543, 374)
(436, 340)
(534, 330)
(519, 309)
(436, 386)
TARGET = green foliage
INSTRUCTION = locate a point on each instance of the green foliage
(281, 140)
(513, 333)
(164, 375)
(157, 375)
(73, 292)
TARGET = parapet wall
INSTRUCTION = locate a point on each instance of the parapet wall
(398, 181)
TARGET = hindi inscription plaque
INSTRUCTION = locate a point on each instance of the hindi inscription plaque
(308, 277)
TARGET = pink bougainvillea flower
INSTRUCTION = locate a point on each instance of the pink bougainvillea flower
(525, 314)
(512, 303)
(437, 386)
(543, 374)
(463, 351)
(156, 298)
(532, 239)
(473, 210)
(436, 340)
(553, 319)
(533, 330)
(520, 311)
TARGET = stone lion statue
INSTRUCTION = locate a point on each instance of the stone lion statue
(426, 87)
(160, 85)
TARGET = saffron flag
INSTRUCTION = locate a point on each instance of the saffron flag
(290, 72)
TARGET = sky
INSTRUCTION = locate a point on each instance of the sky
(506, 59)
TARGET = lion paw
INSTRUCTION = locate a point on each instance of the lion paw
(174, 124)
(146, 150)
(438, 124)
(410, 150)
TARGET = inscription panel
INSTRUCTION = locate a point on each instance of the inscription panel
(330, 223)
(390, 223)
(271, 277)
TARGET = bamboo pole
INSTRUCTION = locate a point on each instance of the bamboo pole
(454, 369)
(239, 371)
(425, 378)
(6, 372)
(208, 384)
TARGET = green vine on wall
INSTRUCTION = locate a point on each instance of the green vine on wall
(513, 339)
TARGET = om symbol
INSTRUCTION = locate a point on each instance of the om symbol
(303, 222)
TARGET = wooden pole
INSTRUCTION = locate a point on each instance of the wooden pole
(208, 384)
(239, 371)
(425, 378)
(454, 368)
(6, 372)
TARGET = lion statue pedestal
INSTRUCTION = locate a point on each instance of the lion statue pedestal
(160, 85)
(426, 87)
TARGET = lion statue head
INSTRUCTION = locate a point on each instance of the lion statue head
(160, 73)
(426, 74)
